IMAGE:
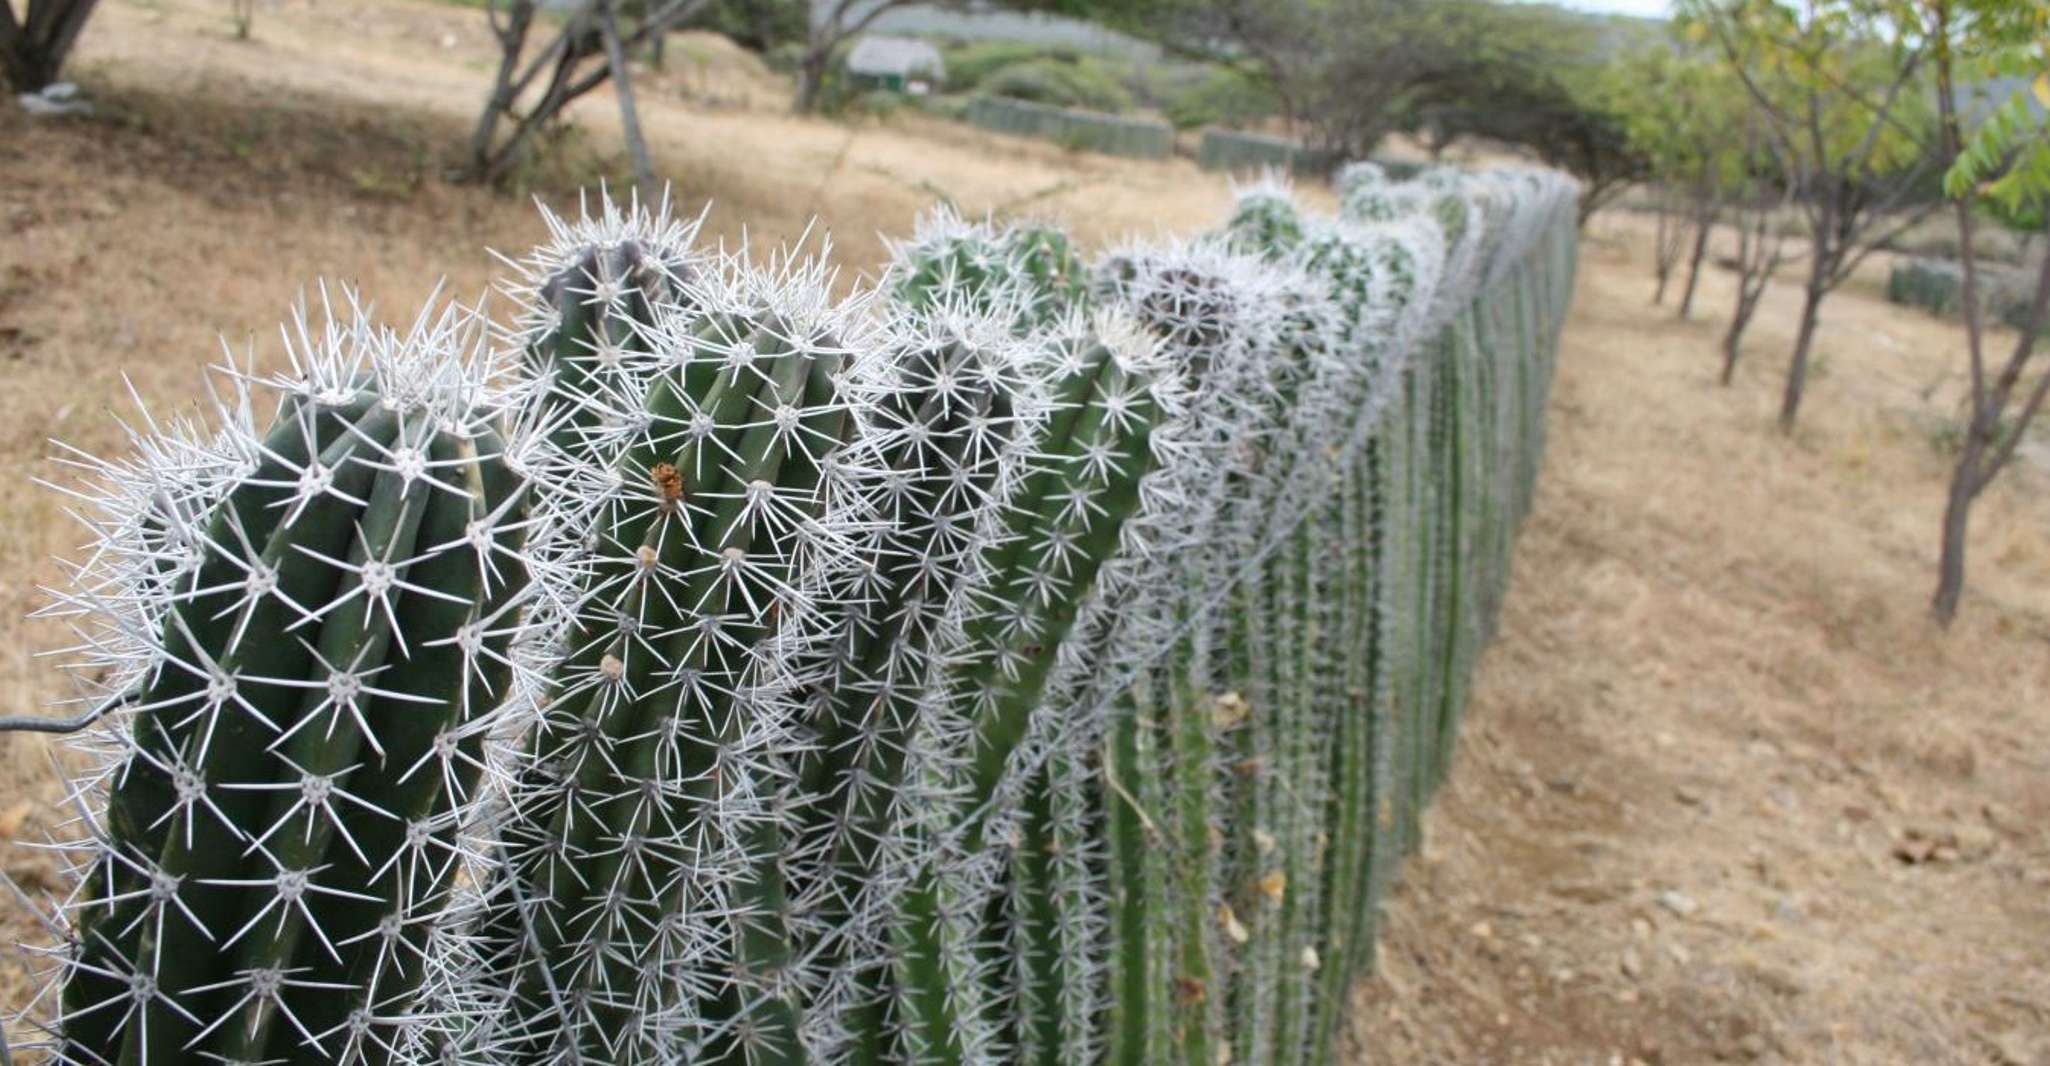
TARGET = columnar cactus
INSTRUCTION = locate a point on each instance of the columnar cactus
(587, 300)
(1109, 392)
(1265, 221)
(955, 428)
(306, 628)
(1046, 262)
(1060, 907)
(1356, 175)
(725, 535)
(1031, 268)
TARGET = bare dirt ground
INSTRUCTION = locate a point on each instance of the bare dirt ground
(1725, 794)
(1716, 721)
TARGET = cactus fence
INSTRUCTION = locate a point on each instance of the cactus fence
(1020, 659)
(1094, 131)
(1937, 286)
(1238, 150)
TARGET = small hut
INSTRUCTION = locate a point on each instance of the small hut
(900, 64)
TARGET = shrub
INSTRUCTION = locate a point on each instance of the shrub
(1086, 86)
(969, 65)
(1222, 97)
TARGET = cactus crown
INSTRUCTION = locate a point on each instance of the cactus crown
(1029, 267)
(1265, 221)
(302, 632)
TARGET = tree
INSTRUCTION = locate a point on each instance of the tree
(1757, 207)
(1350, 72)
(33, 47)
(535, 81)
(1684, 113)
(1835, 83)
(841, 21)
(1569, 124)
(2002, 160)
(757, 25)
(1347, 73)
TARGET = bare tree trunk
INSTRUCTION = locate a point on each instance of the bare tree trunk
(512, 38)
(1751, 283)
(1733, 346)
(1703, 228)
(1984, 454)
(1740, 320)
(1804, 342)
(811, 78)
(1957, 518)
(1594, 197)
(1665, 246)
(1758, 258)
(531, 91)
(629, 117)
(1968, 476)
(32, 51)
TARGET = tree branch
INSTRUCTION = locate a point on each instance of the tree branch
(629, 117)
(2024, 350)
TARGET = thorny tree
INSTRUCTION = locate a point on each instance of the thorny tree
(1348, 72)
(542, 72)
(2004, 159)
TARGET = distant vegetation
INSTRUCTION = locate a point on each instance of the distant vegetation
(1186, 93)
(1820, 131)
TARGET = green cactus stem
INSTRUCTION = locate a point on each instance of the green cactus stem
(303, 737)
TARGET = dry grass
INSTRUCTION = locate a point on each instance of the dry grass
(1701, 604)
(1716, 678)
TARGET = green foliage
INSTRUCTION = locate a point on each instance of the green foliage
(2005, 295)
(1838, 84)
(876, 103)
(1221, 97)
(1355, 71)
(1084, 84)
(1190, 93)
(1687, 114)
(2007, 155)
(758, 25)
(969, 65)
